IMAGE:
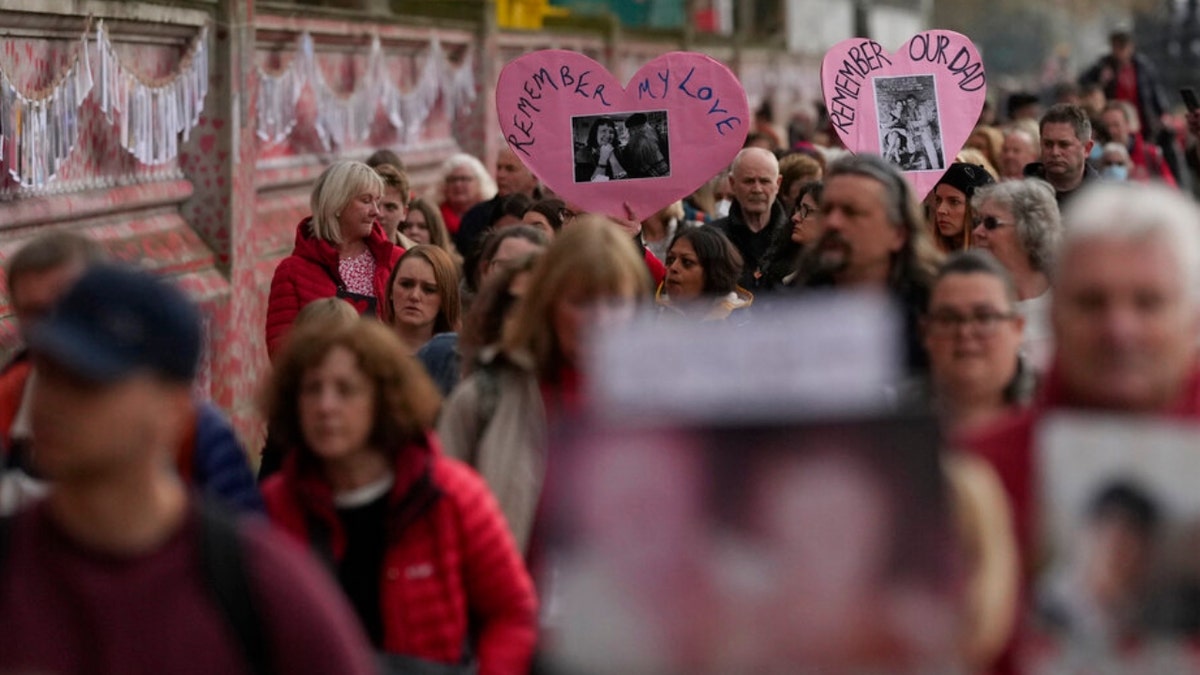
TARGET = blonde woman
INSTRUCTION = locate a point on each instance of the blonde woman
(496, 419)
(341, 250)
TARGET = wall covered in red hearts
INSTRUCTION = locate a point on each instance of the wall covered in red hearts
(220, 214)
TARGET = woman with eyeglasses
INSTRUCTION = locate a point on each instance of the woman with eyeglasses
(783, 255)
(949, 205)
(972, 333)
(1018, 223)
(465, 183)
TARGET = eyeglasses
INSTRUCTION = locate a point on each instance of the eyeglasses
(803, 210)
(990, 223)
(948, 323)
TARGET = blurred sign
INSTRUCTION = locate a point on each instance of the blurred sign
(823, 354)
(819, 547)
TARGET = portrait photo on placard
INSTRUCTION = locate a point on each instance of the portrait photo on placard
(621, 146)
(909, 122)
(1121, 543)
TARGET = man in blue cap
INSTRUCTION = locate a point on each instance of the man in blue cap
(118, 570)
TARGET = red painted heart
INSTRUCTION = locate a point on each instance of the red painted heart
(599, 145)
(916, 107)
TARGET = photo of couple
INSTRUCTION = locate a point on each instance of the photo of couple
(621, 146)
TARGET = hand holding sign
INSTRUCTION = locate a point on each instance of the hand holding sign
(916, 108)
(601, 146)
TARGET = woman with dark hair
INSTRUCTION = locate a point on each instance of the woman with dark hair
(783, 256)
(601, 152)
(422, 297)
(702, 274)
(414, 538)
(548, 215)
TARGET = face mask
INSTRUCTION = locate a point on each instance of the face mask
(1116, 172)
(723, 207)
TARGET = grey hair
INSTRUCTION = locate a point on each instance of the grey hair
(487, 184)
(1035, 209)
(919, 257)
(1137, 212)
(1116, 148)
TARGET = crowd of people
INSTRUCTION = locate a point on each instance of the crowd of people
(424, 348)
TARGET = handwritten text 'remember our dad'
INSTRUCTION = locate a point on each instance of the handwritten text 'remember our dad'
(656, 87)
(868, 57)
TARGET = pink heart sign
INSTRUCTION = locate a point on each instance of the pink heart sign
(599, 145)
(916, 107)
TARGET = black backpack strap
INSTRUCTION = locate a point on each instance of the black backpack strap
(5, 528)
(221, 554)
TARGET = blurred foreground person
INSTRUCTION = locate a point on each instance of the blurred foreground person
(703, 269)
(1125, 314)
(972, 332)
(118, 571)
(341, 250)
(496, 420)
(210, 457)
(415, 539)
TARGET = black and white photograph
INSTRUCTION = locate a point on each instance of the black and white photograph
(910, 128)
(621, 146)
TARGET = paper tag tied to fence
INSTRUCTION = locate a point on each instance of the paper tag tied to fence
(600, 145)
(915, 107)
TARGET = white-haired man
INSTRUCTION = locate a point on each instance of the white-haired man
(756, 215)
(1125, 316)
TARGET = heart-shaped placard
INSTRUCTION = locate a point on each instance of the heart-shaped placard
(916, 107)
(682, 119)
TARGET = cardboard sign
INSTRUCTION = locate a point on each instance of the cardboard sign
(916, 107)
(599, 145)
(819, 355)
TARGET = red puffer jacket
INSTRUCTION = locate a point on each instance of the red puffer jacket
(311, 273)
(450, 559)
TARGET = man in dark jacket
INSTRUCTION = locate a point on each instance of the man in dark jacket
(756, 215)
(1066, 132)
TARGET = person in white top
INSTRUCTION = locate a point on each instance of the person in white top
(1018, 222)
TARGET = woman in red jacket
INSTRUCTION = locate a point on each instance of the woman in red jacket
(341, 250)
(415, 538)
